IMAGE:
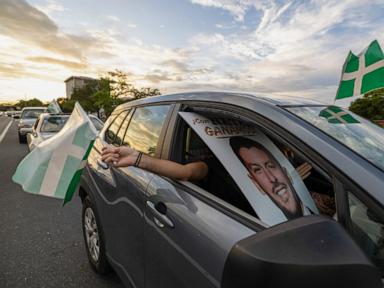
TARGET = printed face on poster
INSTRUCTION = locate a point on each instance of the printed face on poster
(265, 176)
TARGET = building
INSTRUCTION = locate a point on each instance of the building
(76, 82)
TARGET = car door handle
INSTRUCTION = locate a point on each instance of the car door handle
(164, 220)
(102, 164)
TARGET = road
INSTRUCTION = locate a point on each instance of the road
(41, 242)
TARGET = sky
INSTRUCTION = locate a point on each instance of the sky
(294, 48)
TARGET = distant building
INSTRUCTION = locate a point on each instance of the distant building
(76, 82)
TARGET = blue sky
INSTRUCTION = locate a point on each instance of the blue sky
(274, 47)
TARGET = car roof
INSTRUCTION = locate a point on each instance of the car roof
(33, 108)
(237, 98)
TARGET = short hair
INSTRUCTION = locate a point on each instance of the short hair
(239, 142)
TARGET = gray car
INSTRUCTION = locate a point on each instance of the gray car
(28, 117)
(159, 232)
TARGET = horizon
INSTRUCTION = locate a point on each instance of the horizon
(293, 48)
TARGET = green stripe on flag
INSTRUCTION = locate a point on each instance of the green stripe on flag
(345, 89)
(373, 80)
(76, 178)
(70, 167)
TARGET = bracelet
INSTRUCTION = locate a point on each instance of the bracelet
(138, 159)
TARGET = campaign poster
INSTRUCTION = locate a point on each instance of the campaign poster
(268, 180)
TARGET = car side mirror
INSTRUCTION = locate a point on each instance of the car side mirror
(312, 251)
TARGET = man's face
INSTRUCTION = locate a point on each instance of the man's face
(270, 178)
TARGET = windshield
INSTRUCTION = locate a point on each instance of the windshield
(53, 124)
(97, 123)
(357, 133)
(30, 114)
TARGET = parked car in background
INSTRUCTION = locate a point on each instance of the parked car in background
(160, 232)
(44, 128)
(28, 117)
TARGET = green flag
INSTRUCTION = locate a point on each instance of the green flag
(362, 73)
(336, 115)
(54, 167)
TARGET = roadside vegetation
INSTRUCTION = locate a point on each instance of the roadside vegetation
(106, 93)
(370, 106)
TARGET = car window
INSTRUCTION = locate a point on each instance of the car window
(113, 129)
(265, 170)
(30, 114)
(145, 128)
(53, 124)
(97, 123)
(123, 129)
(218, 181)
(367, 229)
(353, 131)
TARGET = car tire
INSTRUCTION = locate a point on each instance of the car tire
(94, 238)
(22, 139)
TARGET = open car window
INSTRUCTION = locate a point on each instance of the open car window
(277, 186)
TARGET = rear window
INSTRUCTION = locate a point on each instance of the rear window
(355, 132)
(30, 114)
(97, 123)
(53, 124)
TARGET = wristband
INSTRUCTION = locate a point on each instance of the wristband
(138, 159)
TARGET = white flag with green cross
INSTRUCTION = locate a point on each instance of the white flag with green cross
(362, 73)
(54, 167)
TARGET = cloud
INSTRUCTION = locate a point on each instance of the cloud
(66, 64)
(50, 7)
(296, 47)
(237, 8)
(28, 25)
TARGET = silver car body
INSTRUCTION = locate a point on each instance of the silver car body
(189, 246)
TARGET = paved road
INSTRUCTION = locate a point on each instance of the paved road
(41, 242)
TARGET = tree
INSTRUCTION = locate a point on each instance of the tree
(29, 103)
(107, 93)
(370, 106)
(120, 87)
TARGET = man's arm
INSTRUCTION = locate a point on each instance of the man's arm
(126, 156)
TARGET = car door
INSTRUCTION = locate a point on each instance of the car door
(125, 239)
(189, 232)
(117, 204)
(188, 235)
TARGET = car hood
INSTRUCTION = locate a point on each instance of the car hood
(47, 135)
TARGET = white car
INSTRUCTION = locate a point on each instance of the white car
(44, 128)
(48, 125)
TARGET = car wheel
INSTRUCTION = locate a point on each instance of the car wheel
(22, 139)
(94, 238)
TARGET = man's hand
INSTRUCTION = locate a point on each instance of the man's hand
(119, 156)
(304, 170)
